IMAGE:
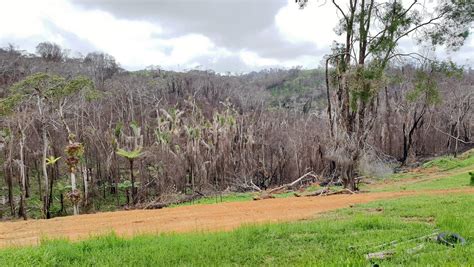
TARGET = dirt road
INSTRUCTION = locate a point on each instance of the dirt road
(224, 216)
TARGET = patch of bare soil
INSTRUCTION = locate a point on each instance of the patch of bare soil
(215, 217)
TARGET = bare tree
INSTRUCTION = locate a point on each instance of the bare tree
(102, 67)
(50, 51)
(372, 31)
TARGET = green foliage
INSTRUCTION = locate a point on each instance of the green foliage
(130, 155)
(298, 89)
(193, 133)
(125, 185)
(135, 128)
(49, 86)
(456, 27)
(62, 187)
(5, 133)
(51, 160)
(7, 105)
(472, 178)
(162, 136)
(340, 238)
(425, 86)
(118, 130)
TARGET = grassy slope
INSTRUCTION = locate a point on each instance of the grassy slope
(325, 241)
(445, 173)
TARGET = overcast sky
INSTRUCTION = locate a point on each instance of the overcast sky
(223, 35)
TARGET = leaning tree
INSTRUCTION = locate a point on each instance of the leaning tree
(372, 32)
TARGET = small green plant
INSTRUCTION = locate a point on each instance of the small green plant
(51, 160)
(131, 156)
(472, 178)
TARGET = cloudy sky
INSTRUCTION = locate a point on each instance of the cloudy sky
(223, 35)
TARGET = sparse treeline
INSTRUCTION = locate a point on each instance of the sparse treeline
(82, 134)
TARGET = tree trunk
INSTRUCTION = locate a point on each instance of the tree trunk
(61, 200)
(73, 189)
(51, 184)
(86, 185)
(133, 183)
(8, 179)
(46, 212)
(38, 178)
(408, 137)
(22, 175)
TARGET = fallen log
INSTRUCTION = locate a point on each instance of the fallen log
(160, 205)
(291, 185)
(247, 186)
(263, 196)
(314, 194)
(342, 191)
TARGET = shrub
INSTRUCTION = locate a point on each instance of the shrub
(372, 166)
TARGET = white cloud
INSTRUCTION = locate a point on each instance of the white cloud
(138, 43)
(252, 59)
(314, 24)
(133, 43)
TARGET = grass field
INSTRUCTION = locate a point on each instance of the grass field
(339, 238)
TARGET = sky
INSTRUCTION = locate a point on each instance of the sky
(222, 35)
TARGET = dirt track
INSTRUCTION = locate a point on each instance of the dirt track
(224, 216)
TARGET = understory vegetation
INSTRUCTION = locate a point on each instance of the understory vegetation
(79, 134)
(381, 119)
(156, 135)
(404, 226)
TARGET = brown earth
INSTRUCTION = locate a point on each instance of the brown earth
(224, 216)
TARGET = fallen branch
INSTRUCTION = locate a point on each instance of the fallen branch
(342, 191)
(248, 187)
(263, 196)
(160, 205)
(314, 194)
(255, 187)
(291, 185)
(380, 255)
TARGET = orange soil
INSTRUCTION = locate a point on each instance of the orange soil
(224, 216)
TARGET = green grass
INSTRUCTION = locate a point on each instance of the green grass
(232, 197)
(327, 241)
(454, 175)
(404, 175)
(241, 197)
(449, 162)
(339, 238)
(450, 181)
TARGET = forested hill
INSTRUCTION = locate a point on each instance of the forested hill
(133, 137)
(277, 88)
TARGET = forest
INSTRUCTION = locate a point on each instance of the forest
(81, 134)
(237, 133)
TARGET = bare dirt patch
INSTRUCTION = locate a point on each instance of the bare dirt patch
(215, 217)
